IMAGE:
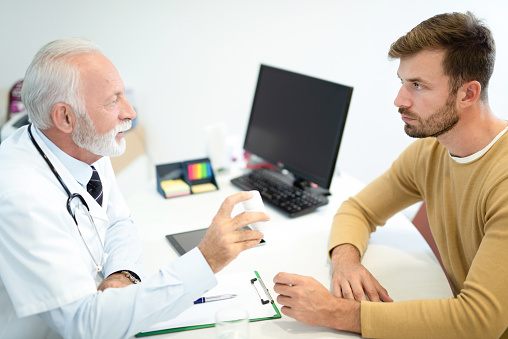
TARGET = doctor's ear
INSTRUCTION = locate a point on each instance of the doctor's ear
(63, 117)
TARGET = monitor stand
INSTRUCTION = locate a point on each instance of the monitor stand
(299, 182)
(315, 189)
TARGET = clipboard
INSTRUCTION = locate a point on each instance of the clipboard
(253, 296)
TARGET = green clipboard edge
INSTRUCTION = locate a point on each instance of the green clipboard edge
(187, 328)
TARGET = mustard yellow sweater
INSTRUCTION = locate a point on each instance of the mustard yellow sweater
(467, 207)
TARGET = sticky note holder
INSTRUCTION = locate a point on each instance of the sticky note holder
(185, 178)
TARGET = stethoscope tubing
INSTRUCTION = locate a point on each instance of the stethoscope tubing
(69, 199)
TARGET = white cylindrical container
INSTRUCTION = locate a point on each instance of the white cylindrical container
(217, 146)
(254, 204)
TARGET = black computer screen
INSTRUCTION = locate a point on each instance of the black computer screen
(297, 122)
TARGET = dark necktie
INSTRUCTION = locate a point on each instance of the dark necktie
(94, 186)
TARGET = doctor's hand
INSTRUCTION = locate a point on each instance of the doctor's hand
(223, 241)
(115, 280)
(351, 280)
(308, 301)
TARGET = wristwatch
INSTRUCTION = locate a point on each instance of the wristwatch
(131, 277)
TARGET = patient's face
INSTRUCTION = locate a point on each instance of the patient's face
(424, 100)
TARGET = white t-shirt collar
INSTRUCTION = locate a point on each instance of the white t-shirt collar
(478, 154)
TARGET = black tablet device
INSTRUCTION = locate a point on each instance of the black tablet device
(185, 241)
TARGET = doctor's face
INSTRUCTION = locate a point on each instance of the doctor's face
(425, 103)
(86, 136)
(108, 114)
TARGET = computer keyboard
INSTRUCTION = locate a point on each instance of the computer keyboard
(290, 199)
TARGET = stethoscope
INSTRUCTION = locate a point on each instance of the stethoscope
(70, 198)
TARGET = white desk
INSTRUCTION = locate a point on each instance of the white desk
(397, 254)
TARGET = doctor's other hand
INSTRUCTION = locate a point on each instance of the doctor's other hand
(351, 280)
(115, 280)
(223, 241)
(308, 301)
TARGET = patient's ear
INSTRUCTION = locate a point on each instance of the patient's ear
(63, 117)
(469, 93)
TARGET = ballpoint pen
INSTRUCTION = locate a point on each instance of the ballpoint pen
(214, 298)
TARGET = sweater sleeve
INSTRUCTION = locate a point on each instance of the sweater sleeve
(393, 191)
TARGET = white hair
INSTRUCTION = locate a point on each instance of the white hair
(52, 78)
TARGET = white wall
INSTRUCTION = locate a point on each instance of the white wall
(193, 63)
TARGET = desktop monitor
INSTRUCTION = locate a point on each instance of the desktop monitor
(297, 122)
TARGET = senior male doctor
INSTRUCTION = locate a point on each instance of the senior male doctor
(64, 225)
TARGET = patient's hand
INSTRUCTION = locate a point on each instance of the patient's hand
(351, 280)
(308, 301)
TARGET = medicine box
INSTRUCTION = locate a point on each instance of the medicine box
(186, 177)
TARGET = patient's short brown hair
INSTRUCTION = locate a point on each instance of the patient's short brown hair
(468, 44)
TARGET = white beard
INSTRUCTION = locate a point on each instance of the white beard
(85, 136)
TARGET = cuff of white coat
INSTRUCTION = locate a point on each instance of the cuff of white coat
(195, 270)
(124, 265)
